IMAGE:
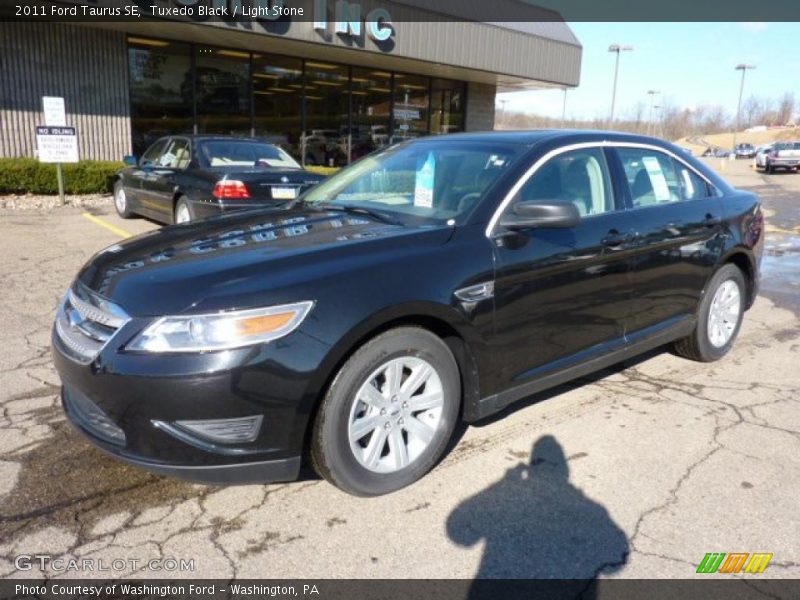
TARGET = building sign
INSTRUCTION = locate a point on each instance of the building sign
(348, 20)
(57, 144)
(55, 114)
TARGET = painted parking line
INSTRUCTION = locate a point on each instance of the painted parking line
(98, 221)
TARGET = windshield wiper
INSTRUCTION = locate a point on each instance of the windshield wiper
(359, 210)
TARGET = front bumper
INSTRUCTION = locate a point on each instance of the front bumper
(272, 471)
(132, 405)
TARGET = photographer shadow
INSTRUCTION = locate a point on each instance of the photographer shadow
(537, 525)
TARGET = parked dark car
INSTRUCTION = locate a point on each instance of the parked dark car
(182, 178)
(438, 280)
(744, 151)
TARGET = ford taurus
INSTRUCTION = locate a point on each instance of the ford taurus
(441, 279)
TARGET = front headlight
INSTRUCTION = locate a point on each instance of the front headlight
(220, 331)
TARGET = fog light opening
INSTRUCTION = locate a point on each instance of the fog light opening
(224, 431)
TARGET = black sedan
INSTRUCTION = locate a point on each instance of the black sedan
(438, 280)
(182, 178)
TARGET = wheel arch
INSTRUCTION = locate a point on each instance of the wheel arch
(744, 260)
(439, 320)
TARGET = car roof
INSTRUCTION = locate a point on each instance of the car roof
(218, 138)
(532, 137)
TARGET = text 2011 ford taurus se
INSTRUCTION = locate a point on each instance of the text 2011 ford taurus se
(439, 280)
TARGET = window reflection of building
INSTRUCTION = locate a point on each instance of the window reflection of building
(222, 91)
(410, 107)
(322, 113)
(158, 70)
(372, 100)
(278, 99)
(326, 138)
(447, 106)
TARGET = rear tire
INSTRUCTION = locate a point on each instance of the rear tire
(121, 200)
(719, 317)
(389, 413)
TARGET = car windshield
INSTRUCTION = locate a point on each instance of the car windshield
(425, 180)
(225, 153)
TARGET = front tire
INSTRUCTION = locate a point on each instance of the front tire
(719, 317)
(121, 200)
(389, 413)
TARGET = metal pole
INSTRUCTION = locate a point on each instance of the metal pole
(60, 177)
(614, 91)
(739, 105)
(564, 110)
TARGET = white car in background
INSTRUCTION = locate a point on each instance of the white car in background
(760, 159)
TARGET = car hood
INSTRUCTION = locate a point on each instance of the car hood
(245, 259)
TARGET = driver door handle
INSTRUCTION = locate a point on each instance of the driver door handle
(614, 238)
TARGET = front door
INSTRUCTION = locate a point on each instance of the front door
(563, 295)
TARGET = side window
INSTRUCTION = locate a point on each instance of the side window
(177, 155)
(651, 176)
(154, 152)
(579, 176)
(693, 186)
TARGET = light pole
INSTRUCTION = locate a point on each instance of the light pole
(618, 49)
(652, 94)
(503, 113)
(743, 68)
(564, 110)
(657, 108)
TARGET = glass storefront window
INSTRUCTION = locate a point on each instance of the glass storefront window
(223, 91)
(372, 100)
(447, 106)
(325, 140)
(278, 100)
(160, 90)
(410, 107)
(322, 113)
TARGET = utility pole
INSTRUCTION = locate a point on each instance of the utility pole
(743, 68)
(652, 94)
(618, 49)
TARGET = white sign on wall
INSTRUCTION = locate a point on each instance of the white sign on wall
(57, 144)
(55, 115)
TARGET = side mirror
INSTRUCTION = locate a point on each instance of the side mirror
(130, 160)
(535, 214)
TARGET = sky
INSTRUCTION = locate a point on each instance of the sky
(690, 64)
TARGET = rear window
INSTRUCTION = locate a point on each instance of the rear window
(225, 153)
(787, 146)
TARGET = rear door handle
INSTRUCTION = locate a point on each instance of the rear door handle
(712, 221)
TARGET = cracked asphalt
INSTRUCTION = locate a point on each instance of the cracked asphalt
(637, 471)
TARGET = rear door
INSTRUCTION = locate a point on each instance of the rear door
(562, 296)
(677, 216)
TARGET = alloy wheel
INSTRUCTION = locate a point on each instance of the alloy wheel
(723, 314)
(120, 200)
(395, 414)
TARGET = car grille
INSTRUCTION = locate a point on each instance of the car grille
(92, 417)
(86, 322)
